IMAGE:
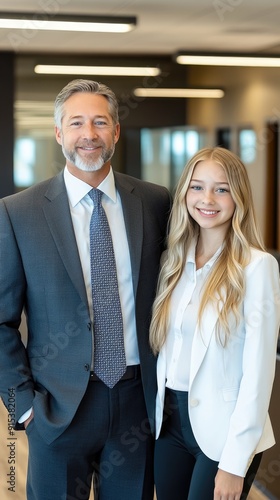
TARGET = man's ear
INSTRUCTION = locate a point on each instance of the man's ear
(58, 135)
(117, 133)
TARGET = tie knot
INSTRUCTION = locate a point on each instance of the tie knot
(95, 195)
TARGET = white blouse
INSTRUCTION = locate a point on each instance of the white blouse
(183, 320)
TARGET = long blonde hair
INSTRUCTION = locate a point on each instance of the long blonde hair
(225, 282)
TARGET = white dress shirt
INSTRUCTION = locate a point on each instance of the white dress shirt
(183, 321)
(81, 207)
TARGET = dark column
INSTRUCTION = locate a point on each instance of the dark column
(6, 123)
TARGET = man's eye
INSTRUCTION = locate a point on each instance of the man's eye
(100, 124)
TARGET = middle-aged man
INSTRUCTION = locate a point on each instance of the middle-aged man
(84, 386)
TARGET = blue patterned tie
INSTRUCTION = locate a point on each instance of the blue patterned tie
(109, 355)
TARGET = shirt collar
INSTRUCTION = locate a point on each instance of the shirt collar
(191, 255)
(78, 189)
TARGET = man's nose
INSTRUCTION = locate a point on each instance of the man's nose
(90, 130)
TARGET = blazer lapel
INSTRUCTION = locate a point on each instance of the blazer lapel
(133, 218)
(201, 340)
(58, 217)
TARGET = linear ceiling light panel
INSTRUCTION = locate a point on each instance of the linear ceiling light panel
(184, 93)
(60, 22)
(56, 69)
(228, 60)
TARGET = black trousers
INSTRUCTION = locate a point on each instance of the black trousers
(108, 442)
(182, 471)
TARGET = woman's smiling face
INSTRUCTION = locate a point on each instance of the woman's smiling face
(209, 201)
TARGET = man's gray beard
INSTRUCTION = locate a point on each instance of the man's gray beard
(74, 158)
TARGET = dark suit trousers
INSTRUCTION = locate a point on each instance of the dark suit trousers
(108, 441)
(180, 465)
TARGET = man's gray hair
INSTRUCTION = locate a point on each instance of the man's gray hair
(90, 86)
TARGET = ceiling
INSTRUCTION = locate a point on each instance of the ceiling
(164, 27)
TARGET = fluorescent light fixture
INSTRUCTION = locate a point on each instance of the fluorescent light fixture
(184, 93)
(56, 69)
(38, 106)
(60, 22)
(228, 60)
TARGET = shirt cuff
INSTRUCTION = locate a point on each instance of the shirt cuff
(25, 416)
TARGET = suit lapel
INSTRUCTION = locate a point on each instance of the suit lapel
(133, 218)
(202, 339)
(58, 217)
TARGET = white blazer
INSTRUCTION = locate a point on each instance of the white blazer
(230, 387)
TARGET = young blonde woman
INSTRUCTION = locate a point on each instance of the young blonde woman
(215, 326)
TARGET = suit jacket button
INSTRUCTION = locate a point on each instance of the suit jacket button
(89, 326)
(194, 402)
(86, 367)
